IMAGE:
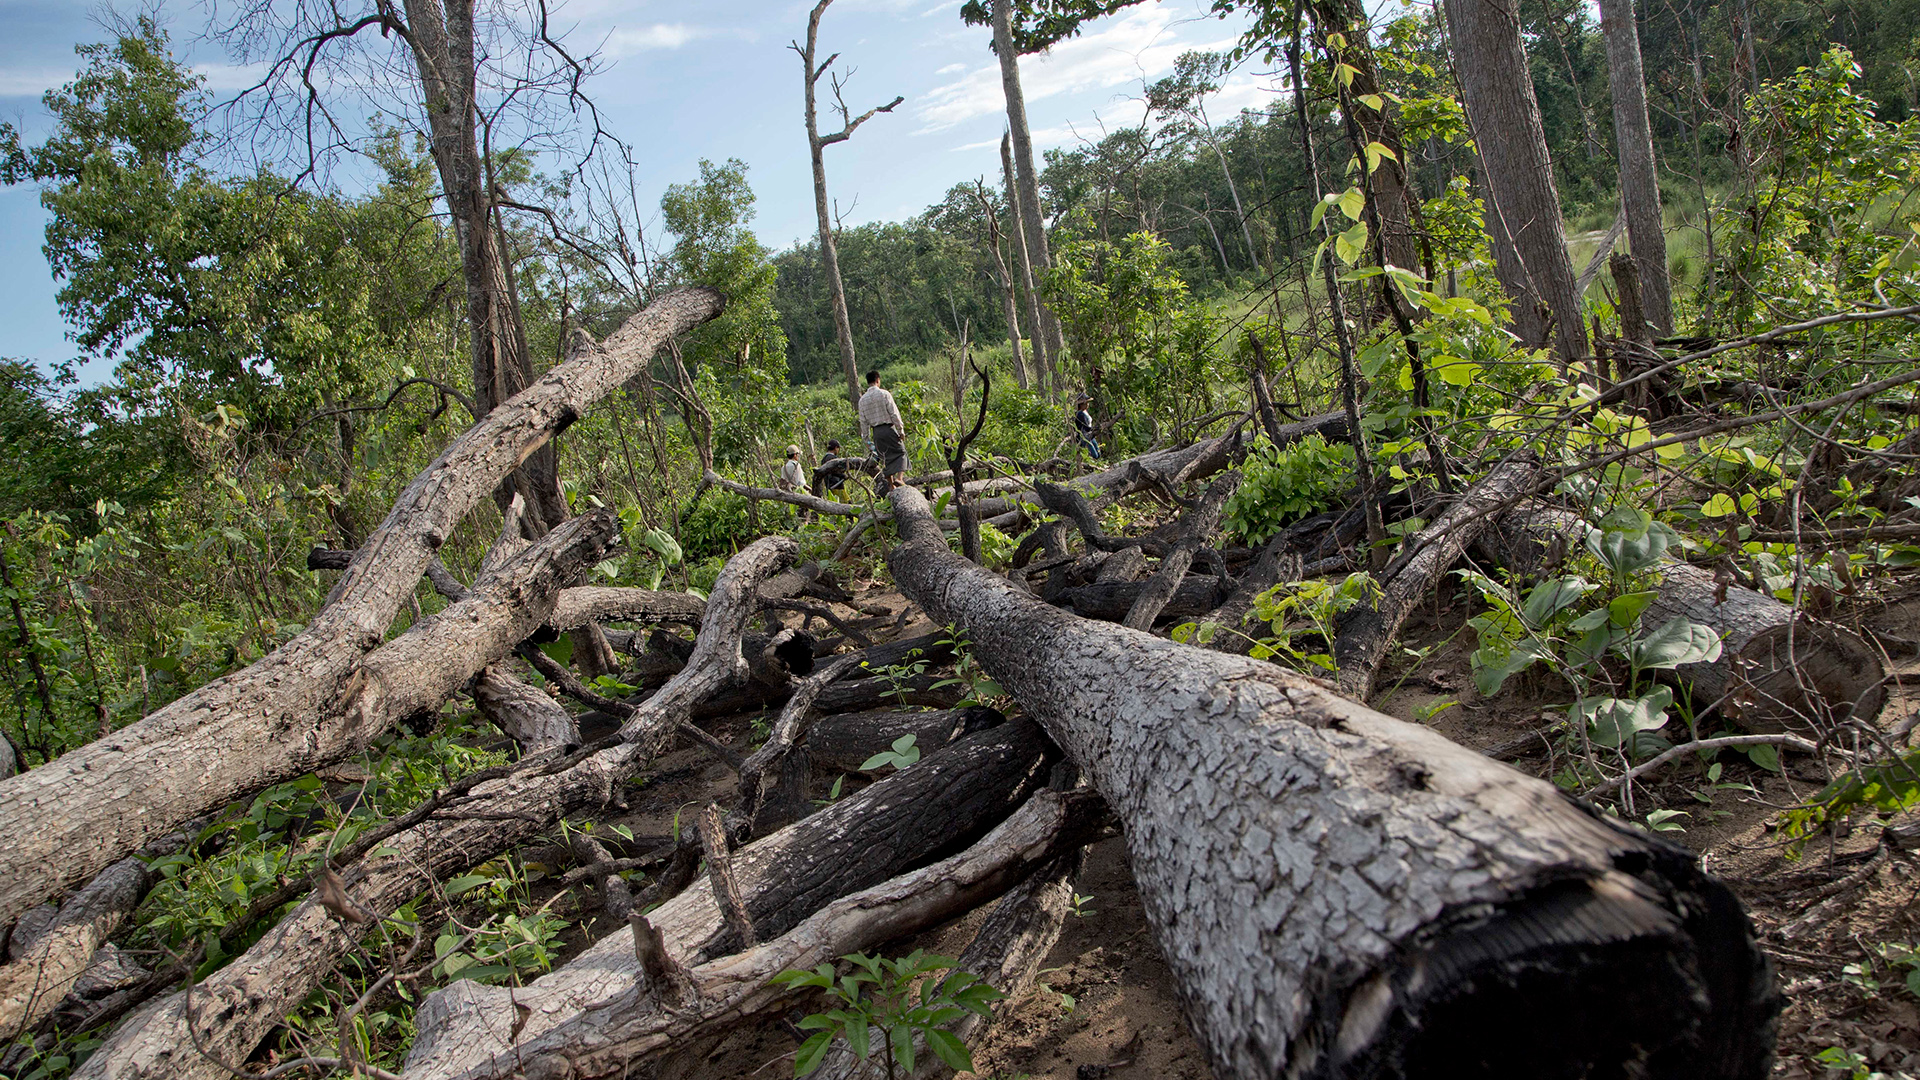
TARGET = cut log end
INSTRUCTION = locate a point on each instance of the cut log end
(1574, 979)
(1804, 678)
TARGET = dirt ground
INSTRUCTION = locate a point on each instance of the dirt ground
(1105, 1007)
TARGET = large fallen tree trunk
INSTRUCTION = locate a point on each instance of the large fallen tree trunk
(1777, 671)
(1339, 893)
(1110, 601)
(845, 742)
(1366, 630)
(69, 819)
(46, 968)
(205, 1031)
(945, 801)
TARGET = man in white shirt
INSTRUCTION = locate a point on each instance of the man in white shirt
(791, 476)
(880, 421)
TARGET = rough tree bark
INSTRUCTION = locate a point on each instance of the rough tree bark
(526, 715)
(1365, 631)
(1339, 893)
(1776, 672)
(42, 971)
(816, 150)
(73, 817)
(1043, 375)
(223, 1017)
(945, 801)
(845, 742)
(1633, 141)
(1523, 203)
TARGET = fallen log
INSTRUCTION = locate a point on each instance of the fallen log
(946, 801)
(1364, 631)
(72, 817)
(43, 970)
(1195, 527)
(1110, 601)
(1776, 672)
(526, 715)
(1339, 893)
(845, 742)
(207, 1031)
(636, 1024)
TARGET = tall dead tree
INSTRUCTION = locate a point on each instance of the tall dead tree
(1523, 204)
(1009, 303)
(816, 149)
(1633, 140)
(1023, 262)
(1341, 894)
(1046, 334)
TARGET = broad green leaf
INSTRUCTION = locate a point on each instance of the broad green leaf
(1678, 641)
(1371, 101)
(1549, 597)
(948, 1048)
(1624, 609)
(466, 883)
(1352, 202)
(1767, 757)
(1490, 673)
(1625, 553)
(812, 1053)
(1616, 720)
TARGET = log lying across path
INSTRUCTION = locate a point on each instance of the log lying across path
(71, 818)
(1339, 893)
(1776, 672)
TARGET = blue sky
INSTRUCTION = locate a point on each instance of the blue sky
(686, 81)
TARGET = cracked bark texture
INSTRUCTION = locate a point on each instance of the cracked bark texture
(1339, 893)
(947, 800)
(71, 818)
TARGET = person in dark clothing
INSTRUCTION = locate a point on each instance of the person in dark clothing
(1083, 424)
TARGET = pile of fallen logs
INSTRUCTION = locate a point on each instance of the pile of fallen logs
(1337, 893)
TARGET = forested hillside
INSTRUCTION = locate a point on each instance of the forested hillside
(1438, 548)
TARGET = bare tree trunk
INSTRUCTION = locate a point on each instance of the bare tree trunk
(1199, 524)
(816, 148)
(1009, 303)
(1309, 866)
(441, 34)
(1044, 373)
(1491, 63)
(636, 1023)
(1633, 139)
(71, 818)
(1032, 225)
(526, 715)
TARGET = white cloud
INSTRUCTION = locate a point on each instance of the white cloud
(223, 77)
(625, 41)
(951, 69)
(1139, 45)
(31, 83)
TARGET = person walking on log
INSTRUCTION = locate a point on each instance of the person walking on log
(880, 422)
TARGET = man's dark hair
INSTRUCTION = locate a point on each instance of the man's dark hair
(873, 378)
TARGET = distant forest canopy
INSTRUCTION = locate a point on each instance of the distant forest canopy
(912, 285)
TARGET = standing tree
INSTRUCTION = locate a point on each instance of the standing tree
(816, 147)
(1523, 205)
(1046, 335)
(1023, 263)
(1633, 137)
